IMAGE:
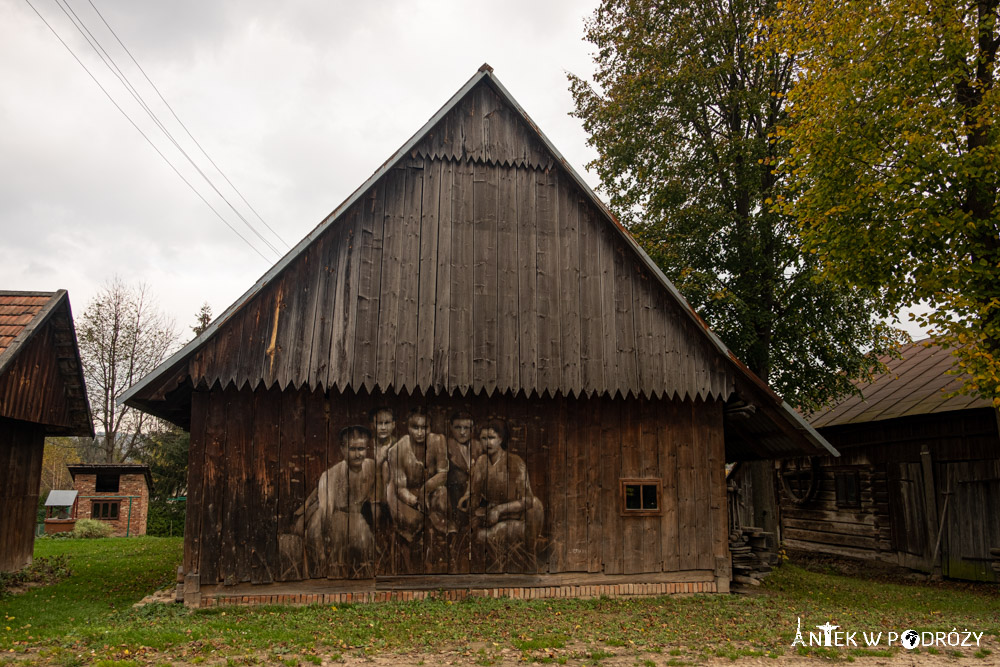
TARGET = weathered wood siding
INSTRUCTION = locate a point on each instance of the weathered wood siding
(21, 445)
(32, 387)
(907, 468)
(257, 456)
(475, 265)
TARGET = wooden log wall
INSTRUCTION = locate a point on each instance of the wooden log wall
(908, 467)
(256, 458)
(21, 445)
(820, 525)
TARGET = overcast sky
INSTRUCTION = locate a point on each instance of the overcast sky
(298, 103)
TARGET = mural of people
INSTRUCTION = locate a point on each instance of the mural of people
(463, 451)
(417, 503)
(418, 474)
(338, 535)
(506, 513)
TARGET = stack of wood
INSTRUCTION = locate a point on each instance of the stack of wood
(753, 554)
(995, 557)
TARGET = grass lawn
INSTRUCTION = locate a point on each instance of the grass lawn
(88, 619)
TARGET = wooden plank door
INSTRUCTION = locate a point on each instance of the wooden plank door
(907, 508)
(972, 524)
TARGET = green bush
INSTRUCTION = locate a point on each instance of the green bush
(91, 528)
(165, 518)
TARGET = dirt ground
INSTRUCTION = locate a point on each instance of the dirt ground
(578, 655)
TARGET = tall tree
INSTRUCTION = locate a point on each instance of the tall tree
(58, 453)
(202, 319)
(166, 454)
(893, 153)
(122, 337)
(681, 111)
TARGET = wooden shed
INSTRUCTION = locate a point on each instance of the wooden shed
(42, 393)
(918, 480)
(467, 377)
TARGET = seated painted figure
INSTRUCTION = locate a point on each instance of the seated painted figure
(506, 512)
(418, 472)
(337, 514)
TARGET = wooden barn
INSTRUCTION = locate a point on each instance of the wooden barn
(918, 480)
(467, 378)
(42, 393)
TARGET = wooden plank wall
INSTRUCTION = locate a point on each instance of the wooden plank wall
(458, 274)
(892, 523)
(256, 457)
(21, 445)
(32, 387)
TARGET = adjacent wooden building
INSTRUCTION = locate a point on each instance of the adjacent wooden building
(42, 393)
(468, 376)
(918, 480)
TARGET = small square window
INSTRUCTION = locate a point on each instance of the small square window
(641, 496)
(106, 484)
(848, 489)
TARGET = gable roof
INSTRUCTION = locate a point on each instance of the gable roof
(612, 324)
(917, 383)
(41, 376)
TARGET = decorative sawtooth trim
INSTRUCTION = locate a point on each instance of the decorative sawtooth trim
(517, 593)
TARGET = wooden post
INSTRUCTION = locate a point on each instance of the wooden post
(764, 498)
(930, 505)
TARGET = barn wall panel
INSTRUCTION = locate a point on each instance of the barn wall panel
(266, 465)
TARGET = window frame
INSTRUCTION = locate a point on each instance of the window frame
(842, 498)
(97, 502)
(655, 482)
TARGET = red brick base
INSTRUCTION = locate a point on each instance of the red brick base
(608, 590)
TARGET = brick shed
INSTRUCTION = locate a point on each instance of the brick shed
(117, 493)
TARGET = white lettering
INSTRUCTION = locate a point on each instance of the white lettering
(892, 636)
(872, 639)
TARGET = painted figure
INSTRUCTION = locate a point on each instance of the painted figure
(463, 450)
(338, 535)
(418, 473)
(384, 427)
(506, 512)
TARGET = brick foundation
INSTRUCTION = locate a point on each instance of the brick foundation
(520, 593)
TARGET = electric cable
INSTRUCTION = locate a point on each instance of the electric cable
(144, 136)
(112, 66)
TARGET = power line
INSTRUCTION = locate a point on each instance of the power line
(139, 130)
(181, 123)
(116, 71)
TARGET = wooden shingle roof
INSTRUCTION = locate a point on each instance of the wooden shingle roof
(41, 376)
(917, 383)
(474, 260)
